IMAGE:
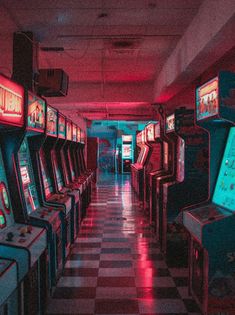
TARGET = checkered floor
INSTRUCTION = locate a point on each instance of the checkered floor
(115, 266)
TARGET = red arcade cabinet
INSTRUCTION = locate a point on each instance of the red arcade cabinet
(212, 224)
(154, 161)
(137, 169)
(26, 245)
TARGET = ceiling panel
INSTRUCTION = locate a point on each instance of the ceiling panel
(104, 42)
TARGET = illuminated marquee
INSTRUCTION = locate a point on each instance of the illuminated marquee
(11, 102)
(36, 113)
(170, 123)
(207, 99)
(61, 127)
(51, 121)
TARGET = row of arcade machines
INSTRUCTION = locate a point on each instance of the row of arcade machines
(191, 195)
(45, 189)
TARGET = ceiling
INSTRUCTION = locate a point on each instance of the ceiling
(105, 46)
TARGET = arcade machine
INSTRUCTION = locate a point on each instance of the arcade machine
(127, 153)
(188, 187)
(50, 197)
(8, 287)
(60, 181)
(167, 152)
(212, 224)
(76, 168)
(20, 242)
(168, 173)
(137, 169)
(30, 203)
(154, 162)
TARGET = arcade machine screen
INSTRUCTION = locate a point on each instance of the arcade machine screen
(36, 113)
(59, 178)
(61, 127)
(51, 122)
(27, 178)
(170, 123)
(47, 183)
(207, 99)
(224, 194)
(11, 102)
(127, 151)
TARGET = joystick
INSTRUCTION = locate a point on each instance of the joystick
(10, 236)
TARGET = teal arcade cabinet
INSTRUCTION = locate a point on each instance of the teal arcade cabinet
(212, 224)
(127, 153)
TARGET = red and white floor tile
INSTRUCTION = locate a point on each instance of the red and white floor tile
(115, 266)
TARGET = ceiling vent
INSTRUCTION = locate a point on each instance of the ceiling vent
(122, 46)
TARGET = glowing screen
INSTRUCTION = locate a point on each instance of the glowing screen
(150, 132)
(207, 99)
(224, 194)
(11, 102)
(126, 151)
(127, 138)
(69, 130)
(27, 178)
(51, 121)
(24, 175)
(61, 127)
(36, 113)
(170, 123)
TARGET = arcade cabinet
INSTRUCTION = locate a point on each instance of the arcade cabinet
(188, 187)
(66, 161)
(137, 169)
(23, 243)
(127, 153)
(60, 181)
(212, 224)
(42, 166)
(154, 162)
(30, 203)
(168, 150)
